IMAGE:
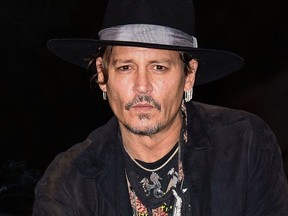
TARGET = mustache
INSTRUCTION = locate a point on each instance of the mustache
(143, 98)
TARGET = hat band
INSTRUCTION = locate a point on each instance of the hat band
(146, 33)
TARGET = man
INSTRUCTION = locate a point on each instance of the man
(161, 154)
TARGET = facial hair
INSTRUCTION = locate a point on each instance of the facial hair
(149, 131)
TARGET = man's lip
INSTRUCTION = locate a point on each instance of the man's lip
(142, 106)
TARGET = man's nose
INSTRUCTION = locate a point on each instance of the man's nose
(142, 82)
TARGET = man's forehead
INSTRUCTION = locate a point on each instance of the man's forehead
(128, 52)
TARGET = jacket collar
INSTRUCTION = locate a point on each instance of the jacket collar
(198, 125)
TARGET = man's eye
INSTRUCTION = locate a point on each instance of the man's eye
(160, 67)
(123, 68)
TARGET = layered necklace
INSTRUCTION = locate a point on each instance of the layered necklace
(152, 203)
(155, 169)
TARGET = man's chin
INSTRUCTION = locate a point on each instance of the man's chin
(144, 116)
(144, 131)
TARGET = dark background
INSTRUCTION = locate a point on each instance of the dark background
(47, 105)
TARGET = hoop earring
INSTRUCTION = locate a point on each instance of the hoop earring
(104, 95)
(188, 95)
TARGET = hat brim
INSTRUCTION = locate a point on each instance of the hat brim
(213, 64)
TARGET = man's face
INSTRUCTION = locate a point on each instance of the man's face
(145, 88)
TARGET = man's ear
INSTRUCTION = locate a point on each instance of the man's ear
(100, 74)
(190, 77)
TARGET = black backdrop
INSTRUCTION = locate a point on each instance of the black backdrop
(47, 105)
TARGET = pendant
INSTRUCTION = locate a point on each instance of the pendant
(155, 187)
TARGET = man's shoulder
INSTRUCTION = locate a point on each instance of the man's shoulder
(96, 138)
(84, 153)
(233, 126)
(215, 115)
(104, 131)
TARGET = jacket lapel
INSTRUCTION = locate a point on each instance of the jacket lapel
(197, 163)
(102, 162)
(114, 186)
(197, 172)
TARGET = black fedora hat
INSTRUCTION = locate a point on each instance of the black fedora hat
(162, 24)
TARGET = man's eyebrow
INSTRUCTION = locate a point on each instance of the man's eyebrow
(117, 61)
(164, 60)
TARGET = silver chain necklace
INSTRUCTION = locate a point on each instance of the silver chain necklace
(156, 169)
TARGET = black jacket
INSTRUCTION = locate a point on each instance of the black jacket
(232, 160)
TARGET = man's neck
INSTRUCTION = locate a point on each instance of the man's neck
(151, 148)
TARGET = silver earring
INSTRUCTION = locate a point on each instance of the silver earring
(104, 95)
(188, 95)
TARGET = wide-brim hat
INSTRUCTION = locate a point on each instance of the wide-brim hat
(161, 24)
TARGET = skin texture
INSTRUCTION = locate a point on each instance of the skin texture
(145, 90)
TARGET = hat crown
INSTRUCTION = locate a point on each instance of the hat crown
(171, 13)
